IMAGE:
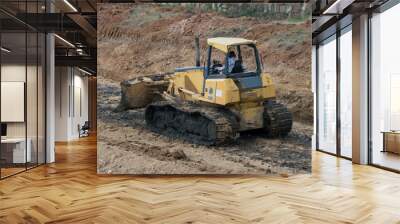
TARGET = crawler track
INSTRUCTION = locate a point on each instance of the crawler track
(277, 119)
(199, 124)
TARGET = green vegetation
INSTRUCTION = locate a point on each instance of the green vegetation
(293, 12)
(140, 15)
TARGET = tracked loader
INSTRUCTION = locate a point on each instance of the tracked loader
(212, 104)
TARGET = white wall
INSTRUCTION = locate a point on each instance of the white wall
(16, 73)
(62, 81)
(80, 109)
(10, 73)
(13, 72)
(71, 102)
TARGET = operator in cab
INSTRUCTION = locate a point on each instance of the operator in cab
(231, 60)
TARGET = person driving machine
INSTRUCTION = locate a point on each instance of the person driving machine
(231, 60)
(234, 64)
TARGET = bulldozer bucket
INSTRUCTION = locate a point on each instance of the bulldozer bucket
(141, 91)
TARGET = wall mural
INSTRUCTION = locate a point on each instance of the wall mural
(204, 88)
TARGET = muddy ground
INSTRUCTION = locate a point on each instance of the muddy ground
(135, 41)
(126, 145)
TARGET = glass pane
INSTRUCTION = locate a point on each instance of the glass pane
(385, 83)
(31, 98)
(327, 96)
(346, 94)
(217, 62)
(248, 59)
(41, 99)
(13, 87)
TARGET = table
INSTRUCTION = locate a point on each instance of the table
(13, 150)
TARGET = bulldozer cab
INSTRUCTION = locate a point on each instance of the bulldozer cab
(234, 63)
(234, 58)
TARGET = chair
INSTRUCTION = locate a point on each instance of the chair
(84, 130)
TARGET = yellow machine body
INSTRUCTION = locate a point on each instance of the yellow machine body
(247, 104)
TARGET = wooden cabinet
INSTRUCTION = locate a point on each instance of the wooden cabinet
(391, 142)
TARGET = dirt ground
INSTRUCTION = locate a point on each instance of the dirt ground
(141, 40)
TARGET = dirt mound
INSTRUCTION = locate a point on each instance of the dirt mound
(146, 39)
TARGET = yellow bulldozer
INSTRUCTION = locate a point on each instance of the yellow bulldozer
(213, 103)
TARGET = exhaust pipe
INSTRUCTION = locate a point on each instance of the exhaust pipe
(197, 47)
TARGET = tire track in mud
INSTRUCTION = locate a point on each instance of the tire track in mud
(179, 157)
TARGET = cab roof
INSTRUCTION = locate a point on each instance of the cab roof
(224, 43)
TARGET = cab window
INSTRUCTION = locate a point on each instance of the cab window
(247, 58)
(217, 62)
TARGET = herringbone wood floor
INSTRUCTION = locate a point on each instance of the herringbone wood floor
(70, 191)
